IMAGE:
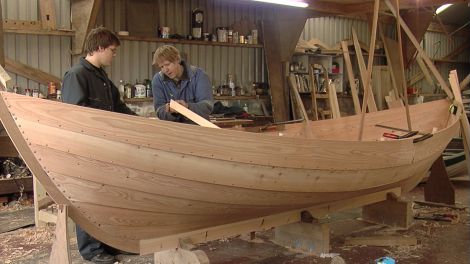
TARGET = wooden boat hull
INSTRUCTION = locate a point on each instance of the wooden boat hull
(130, 179)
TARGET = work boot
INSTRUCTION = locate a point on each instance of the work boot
(103, 258)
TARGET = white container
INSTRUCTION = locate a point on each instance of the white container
(140, 91)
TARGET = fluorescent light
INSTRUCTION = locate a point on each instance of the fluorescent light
(442, 8)
(285, 2)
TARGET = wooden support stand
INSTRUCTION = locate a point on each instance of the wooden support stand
(311, 238)
(60, 253)
(438, 188)
(182, 254)
(43, 215)
(392, 212)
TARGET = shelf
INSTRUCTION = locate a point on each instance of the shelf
(251, 97)
(191, 42)
(138, 100)
(68, 33)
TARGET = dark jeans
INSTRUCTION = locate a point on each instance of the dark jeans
(88, 246)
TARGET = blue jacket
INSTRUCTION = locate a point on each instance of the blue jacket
(195, 90)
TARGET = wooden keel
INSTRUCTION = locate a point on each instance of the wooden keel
(262, 223)
(60, 253)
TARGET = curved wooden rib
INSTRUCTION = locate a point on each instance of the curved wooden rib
(125, 179)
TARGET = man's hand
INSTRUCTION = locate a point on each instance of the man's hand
(181, 102)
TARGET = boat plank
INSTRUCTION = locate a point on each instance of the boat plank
(108, 195)
(239, 175)
(133, 224)
(101, 172)
(249, 148)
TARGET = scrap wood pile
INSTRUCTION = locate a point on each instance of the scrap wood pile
(13, 168)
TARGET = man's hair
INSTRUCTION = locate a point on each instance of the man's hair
(100, 37)
(166, 52)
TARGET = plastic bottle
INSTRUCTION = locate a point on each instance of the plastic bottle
(121, 89)
(231, 84)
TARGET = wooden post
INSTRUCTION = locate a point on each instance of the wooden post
(60, 253)
(392, 212)
(182, 254)
(48, 17)
(438, 188)
(352, 83)
(39, 194)
(311, 238)
(84, 13)
(2, 48)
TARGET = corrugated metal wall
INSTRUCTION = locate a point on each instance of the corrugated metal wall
(333, 29)
(134, 58)
(47, 53)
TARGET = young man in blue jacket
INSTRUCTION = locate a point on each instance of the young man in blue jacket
(177, 80)
(87, 84)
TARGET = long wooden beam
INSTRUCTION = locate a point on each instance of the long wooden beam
(30, 72)
(402, 69)
(370, 103)
(84, 14)
(191, 115)
(352, 83)
(2, 48)
(367, 86)
(368, 7)
(429, 63)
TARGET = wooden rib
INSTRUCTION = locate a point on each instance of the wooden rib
(300, 105)
(463, 85)
(367, 87)
(454, 83)
(191, 115)
(313, 93)
(362, 69)
(352, 83)
(402, 70)
(428, 62)
(332, 98)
